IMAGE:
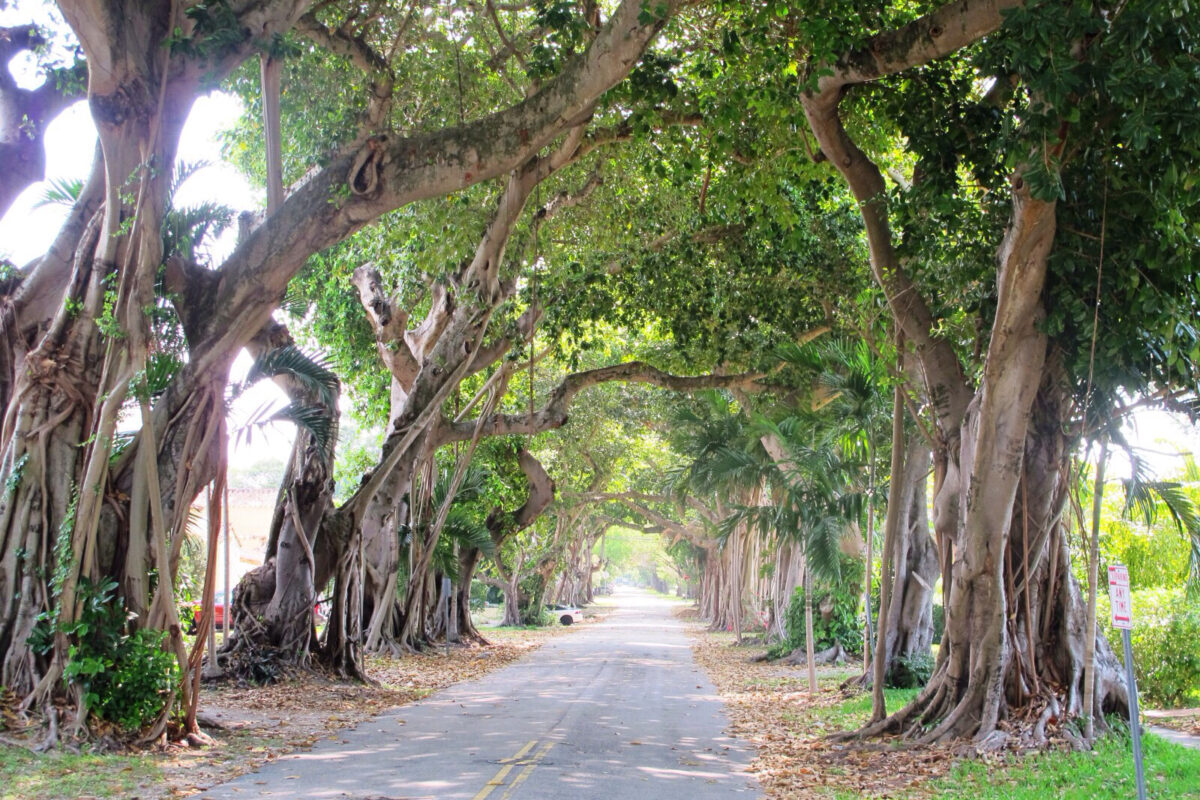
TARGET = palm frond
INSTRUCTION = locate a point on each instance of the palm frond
(185, 170)
(185, 229)
(316, 420)
(471, 487)
(822, 546)
(806, 357)
(61, 192)
(1147, 496)
(312, 372)
(468, 531)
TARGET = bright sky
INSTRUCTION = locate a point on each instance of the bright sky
(26, 231)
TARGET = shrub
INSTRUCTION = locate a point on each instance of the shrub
(911, 673)
(126, 677)
(835, 613)
(479, 594)
(939, 622)
(1166, 644)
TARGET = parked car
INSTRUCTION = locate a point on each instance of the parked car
(567, 615)
(320, 613)
(218, 613)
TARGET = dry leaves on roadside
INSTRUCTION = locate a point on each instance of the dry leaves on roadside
(262, 723)
(771, 709)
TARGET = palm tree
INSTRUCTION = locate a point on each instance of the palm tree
(852, 390)
(816, 501)
(797, 465)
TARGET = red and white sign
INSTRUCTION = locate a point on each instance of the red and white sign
(1118, 596)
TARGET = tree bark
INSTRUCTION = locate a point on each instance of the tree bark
(988, 448)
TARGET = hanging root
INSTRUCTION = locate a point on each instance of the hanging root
(51, 737)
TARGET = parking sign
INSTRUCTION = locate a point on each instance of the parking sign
(1118, 596)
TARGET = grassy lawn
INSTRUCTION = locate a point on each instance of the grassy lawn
(56, 776)
(1171, 771)
(772, 709)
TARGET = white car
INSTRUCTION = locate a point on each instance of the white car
(567, 615)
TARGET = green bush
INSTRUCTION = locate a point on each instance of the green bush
(911, 673)
(835, 613)
(939, 622)
(479, 593)
(1166, 644)
(126, 678)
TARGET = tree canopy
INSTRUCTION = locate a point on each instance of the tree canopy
(515, 240)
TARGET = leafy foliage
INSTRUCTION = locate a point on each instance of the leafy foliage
(317, 381)
(126, 677)
(1166, 645)
(837, 618)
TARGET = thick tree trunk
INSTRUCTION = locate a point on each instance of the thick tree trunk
(908, 622)
(989, 663)
(468, 561)
(1014, 619)
(512, 603)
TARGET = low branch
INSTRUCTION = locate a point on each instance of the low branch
(554, 414)
(502, 524)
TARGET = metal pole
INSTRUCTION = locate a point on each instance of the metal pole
(212, 629)
(1134, 724)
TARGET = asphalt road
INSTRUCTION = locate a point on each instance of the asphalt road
(612, 710)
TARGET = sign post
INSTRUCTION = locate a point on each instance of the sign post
(1122, 618)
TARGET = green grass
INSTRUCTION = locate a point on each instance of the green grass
(1172, 771)
(58, 775)
(853, 713)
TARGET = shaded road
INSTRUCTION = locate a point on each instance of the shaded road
(614, 710)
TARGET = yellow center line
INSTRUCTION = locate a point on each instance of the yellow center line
(529, 767)
(498, 778)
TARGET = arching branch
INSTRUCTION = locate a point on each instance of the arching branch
(554, 414)
(942, 31)
(503, 524)
(390, 172)
(25, 113)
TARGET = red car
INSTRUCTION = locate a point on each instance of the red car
(219, 613)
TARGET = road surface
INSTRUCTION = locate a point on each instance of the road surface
(615, 710)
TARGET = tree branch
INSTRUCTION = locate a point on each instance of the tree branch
(503, 524)
(387, 173)
(554, 414)
(938, 33)
(25, 113)
(355, 49)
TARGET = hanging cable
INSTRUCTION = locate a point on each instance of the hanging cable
(533, 293)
